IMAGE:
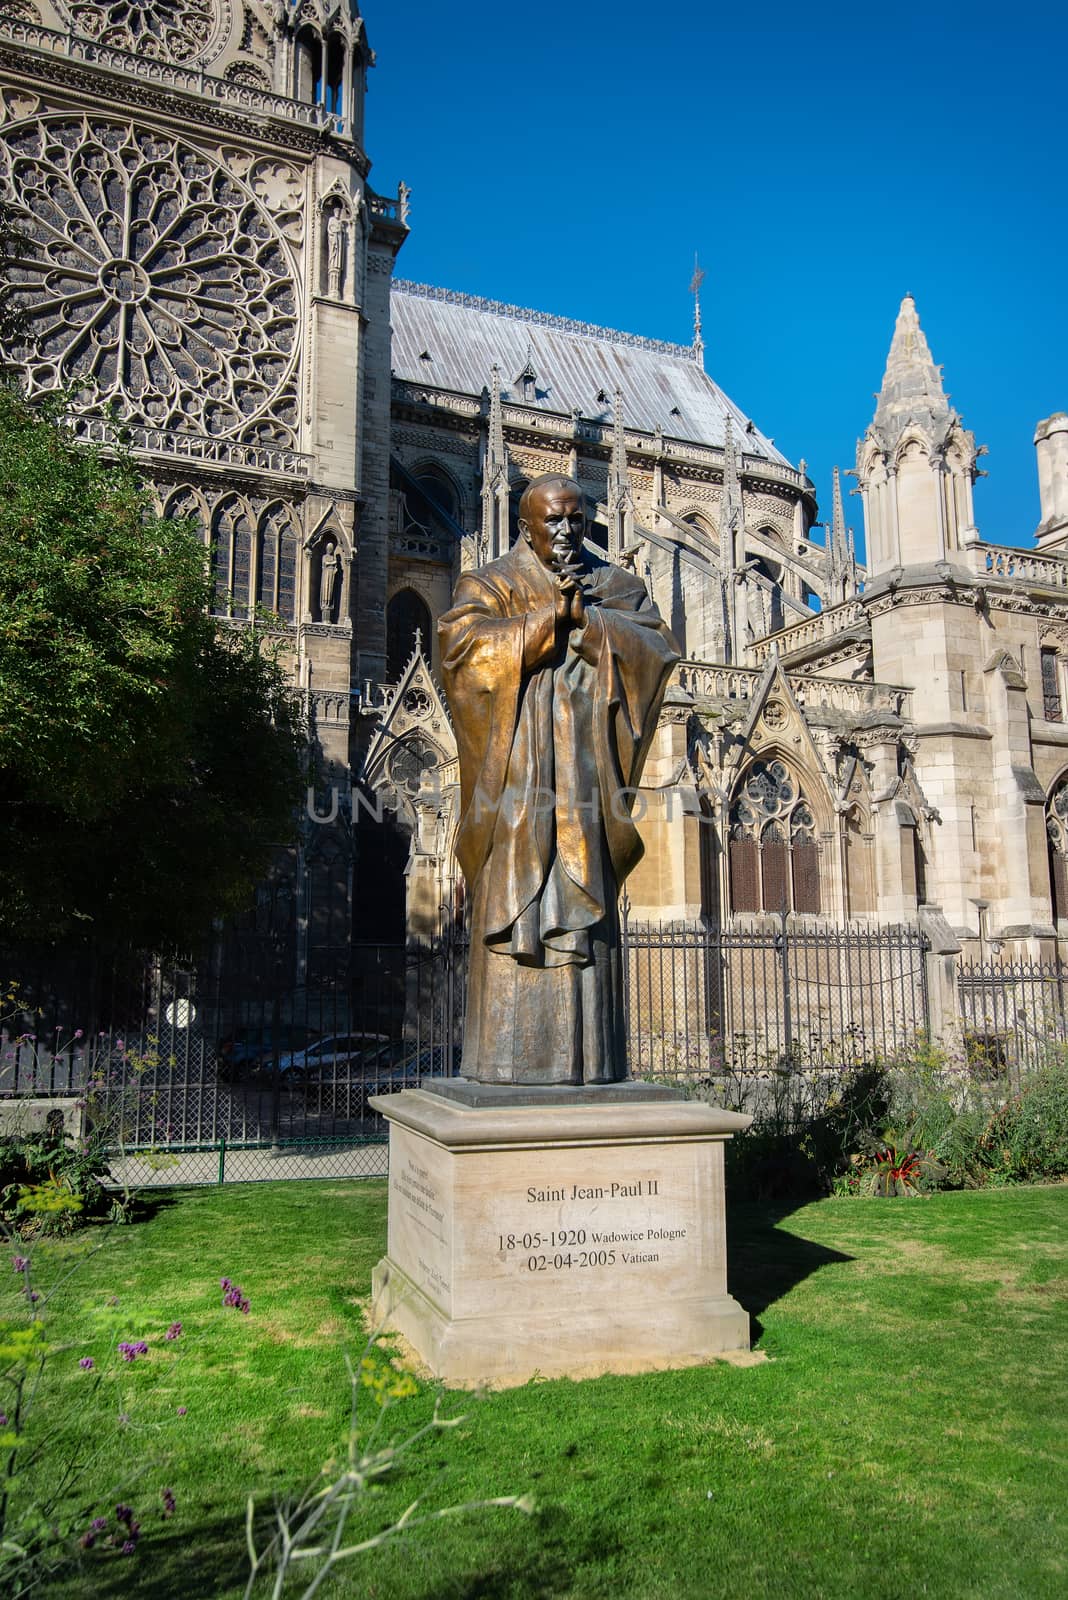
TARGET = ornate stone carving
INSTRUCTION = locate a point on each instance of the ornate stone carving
(165, 30)
(159, 281)
(775, 715)
(771, 804)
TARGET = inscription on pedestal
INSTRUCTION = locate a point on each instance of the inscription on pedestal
(419, 1225)
(579, 1227)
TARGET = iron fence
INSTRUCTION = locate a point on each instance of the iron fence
(221, 1070)
(214, 1070)
(703, 999)
(1013, 1013)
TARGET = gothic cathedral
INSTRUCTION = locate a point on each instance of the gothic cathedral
(210, 271)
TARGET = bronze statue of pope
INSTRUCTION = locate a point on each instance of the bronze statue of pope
(555, 663)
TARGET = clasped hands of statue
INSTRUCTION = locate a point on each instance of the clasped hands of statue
(571, 600)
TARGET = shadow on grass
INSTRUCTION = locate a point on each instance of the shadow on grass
(209, 1559)
(764, 1262)
(535, 1559)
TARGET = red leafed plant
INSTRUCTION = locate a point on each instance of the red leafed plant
(887, 1170)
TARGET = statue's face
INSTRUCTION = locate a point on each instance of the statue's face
(555, 524)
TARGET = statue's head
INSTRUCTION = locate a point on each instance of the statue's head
(551, 519)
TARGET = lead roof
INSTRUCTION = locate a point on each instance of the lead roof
(450, 341)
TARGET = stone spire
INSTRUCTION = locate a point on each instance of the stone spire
(695, 289)
(731, 551)
(912, 384)
(620, 496)
(841, 564)
(494, 540)
(730, 508)
(917, 462)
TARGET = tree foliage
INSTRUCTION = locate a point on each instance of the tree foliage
(148, 762)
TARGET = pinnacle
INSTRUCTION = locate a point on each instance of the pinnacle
(911, 381)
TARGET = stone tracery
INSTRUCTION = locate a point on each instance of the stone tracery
(774, 860)
(158, 280)
(1057, 833)
(167, 30)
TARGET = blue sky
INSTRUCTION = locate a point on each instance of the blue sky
(823, 161)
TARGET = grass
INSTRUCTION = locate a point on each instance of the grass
(905, 1437)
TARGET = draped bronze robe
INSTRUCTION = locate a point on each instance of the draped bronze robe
(552, 738)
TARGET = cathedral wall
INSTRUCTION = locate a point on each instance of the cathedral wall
(374, 468)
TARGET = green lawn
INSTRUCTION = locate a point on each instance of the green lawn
(906, 1436)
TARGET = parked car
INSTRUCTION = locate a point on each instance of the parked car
(249, 1049)
(323, 1058)
(345, 1088)
(404, 1071)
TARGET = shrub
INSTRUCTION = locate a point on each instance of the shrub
(1027, 1139)
(49, 1183)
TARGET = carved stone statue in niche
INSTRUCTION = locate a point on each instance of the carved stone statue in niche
(329, 582)
(336, 251)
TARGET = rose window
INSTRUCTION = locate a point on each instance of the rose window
(168, 30)
(417, 703)
(156, 285)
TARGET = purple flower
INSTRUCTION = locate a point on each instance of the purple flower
(98, 1524)
(20, 1263)
(124, 1513)
(234, 1296)
(33, 1296)
(87, 1363)
(3, 1419)
(129, 1546)
(130, 1351)
(169, 1503)
(224, 1283)
(182, 1410)
(174, 1331)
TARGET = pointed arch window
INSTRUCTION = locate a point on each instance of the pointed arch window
(1057, 835)
(773, 853)
(309, 63)
(335, 75)
(231, 559)
(405, 614)
(276, 568)
(184, 502)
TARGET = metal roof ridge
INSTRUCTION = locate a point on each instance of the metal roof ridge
(544, 319)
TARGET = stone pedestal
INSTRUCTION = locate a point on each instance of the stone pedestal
(542, 1233)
